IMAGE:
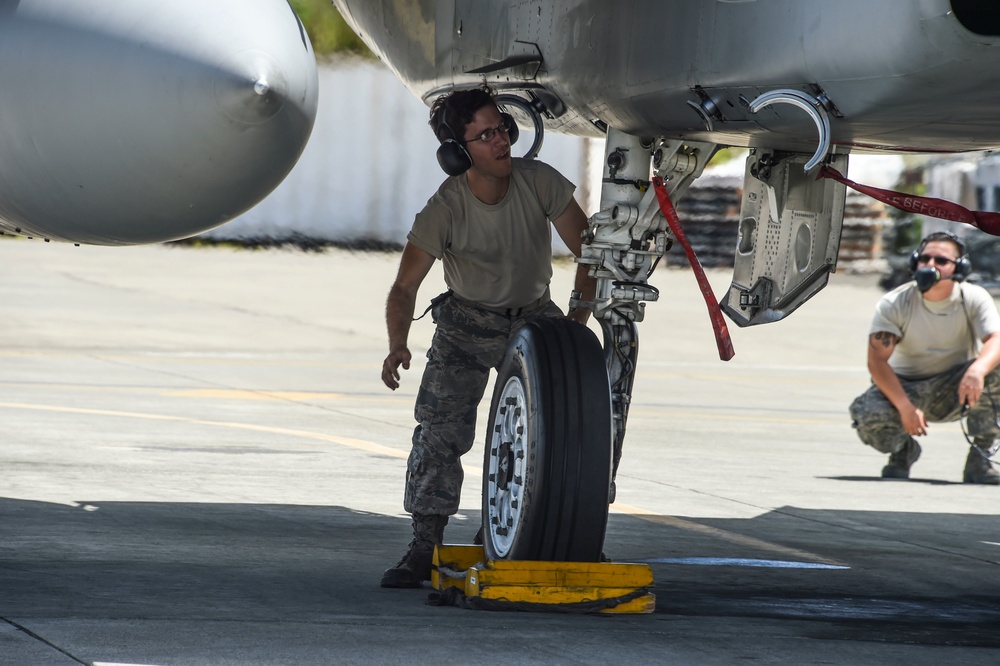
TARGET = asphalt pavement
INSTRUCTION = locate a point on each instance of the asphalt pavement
(200, 465)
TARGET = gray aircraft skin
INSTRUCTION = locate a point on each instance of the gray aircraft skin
(895, 76)
(138, 121)
(669, 82)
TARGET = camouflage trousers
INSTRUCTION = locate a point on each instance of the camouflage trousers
(879, 426)
(468, 341)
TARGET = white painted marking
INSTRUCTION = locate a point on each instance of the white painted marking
(732, 537)
(740, 562)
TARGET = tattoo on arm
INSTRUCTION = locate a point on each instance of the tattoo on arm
(885, 339)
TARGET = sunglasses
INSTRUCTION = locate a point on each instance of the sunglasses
(938, 261)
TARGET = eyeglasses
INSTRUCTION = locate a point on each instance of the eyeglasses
(938, 261)
(487, 135)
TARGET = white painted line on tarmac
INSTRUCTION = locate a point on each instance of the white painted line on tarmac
(740, 562)
(732, 537)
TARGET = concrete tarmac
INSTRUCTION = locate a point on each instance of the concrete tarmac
(200, 465)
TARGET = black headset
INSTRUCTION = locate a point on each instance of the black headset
(452, 154)
(963, 267)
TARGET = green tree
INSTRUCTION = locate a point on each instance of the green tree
(327, 30)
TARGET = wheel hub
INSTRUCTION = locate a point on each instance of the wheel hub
(506, 469)
(505, 466)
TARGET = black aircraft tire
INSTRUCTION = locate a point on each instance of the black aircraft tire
(547, 468)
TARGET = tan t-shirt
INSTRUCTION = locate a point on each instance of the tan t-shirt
(934, 336)
(499, 256)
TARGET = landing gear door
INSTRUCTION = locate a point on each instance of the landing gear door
(789, 236)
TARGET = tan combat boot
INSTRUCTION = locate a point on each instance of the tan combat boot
(979, 469)
(415, 567)
(901, 461)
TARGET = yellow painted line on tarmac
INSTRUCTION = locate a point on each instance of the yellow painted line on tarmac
(691, 415)
(218, 394)
(243, 394)
(674, 413)
(206, 358)
(359, 444)
(736, 380)
(725, 535)
(372, 447)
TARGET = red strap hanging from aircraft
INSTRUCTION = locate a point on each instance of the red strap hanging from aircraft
(722, 339)
(939, 208)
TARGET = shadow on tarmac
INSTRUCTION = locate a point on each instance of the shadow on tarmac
(930, 482)
(312, 564)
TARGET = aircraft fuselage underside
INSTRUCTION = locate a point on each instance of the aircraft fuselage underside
(894, 77)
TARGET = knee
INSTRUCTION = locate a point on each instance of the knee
(883, 432)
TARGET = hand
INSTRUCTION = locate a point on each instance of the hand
(914, 422)
(390, 366)
(970, 389)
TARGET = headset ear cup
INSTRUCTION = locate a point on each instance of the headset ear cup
(453, 157)
(963, 267)
(913, 261)
(512, 129)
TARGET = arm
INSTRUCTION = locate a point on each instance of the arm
(970, 389)
(413, 268)
(569, 225)
(880, 347)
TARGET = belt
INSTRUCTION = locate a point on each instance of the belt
(513, 312)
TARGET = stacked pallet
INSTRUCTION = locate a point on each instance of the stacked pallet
(710, 215)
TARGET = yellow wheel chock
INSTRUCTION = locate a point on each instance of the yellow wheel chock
(464, 575)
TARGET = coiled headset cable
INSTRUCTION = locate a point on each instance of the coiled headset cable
(988, 453)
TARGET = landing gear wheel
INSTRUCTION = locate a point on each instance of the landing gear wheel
(547, 471)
